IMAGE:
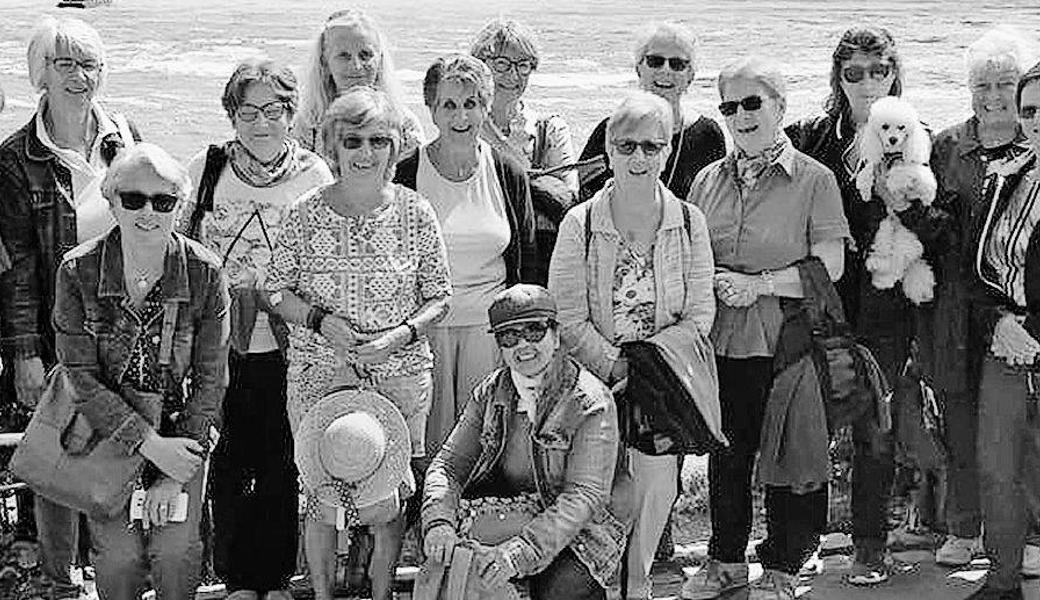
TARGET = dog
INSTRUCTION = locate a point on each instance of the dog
(894, 150)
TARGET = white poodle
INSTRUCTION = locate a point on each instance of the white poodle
(894, 150)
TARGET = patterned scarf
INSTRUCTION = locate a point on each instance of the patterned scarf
(750, 167)
(257, 173)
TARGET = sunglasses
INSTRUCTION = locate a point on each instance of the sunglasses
(855, 74)
(750, 103)
(628, 147)
(502, 64)
(1028, 112)
(272, 111)
(377, 142)
(161, 203)
(675, 63)
(532, 332)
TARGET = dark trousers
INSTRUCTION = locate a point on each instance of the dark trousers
(963, 513)
(793, 521)
(566, 577)
(253, 479)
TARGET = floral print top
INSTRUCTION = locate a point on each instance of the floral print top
(634, 295)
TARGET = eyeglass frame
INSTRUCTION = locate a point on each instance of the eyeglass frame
(171, 199)
(261, 110)
(533, 332)
(750, 103)
(75, 62)
(671, 61)
(510, 64)
(874, 72)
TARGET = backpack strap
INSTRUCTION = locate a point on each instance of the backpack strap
(541, 142)
(216, 160)
(588, 229)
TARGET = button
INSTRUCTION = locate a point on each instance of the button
(581, 547)
(155, 339)
(501, 516)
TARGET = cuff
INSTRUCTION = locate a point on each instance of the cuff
(131, 432)
(21, 346)
(522, 555)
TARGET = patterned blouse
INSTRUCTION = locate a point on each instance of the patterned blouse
(143, 372)
(634, 295)
(373, 270)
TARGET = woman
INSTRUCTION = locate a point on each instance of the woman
(483, 204)
(349, 51)
(359, 272)
(1007, 308)
(115, 295)
(665, 63)
(535, 141)
(767, 206)
(50, 181)
(866, 66)
(252, 477)
(628, 265)
(963, 155)
(566, 458)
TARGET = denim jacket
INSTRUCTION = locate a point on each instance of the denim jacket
(96, 333)
(38, 226)
(584, 488)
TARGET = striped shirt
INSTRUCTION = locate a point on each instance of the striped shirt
(1006, 251)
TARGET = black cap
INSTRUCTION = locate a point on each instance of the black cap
(522, 303)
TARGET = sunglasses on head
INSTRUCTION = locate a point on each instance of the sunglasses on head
(675, 63)
(378, 142)
(650, 147)
(532, 332)
(1028, 112)
(750, 103)
(161, 203)
(855, 74)
(272, 111)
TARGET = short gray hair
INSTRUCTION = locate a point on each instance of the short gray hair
(639, 107)
(763, 71)
(148, 156)
(356, 109)
(500, 33)
(460, 68)
(51, 33)
(1000, 47)
(669, 31)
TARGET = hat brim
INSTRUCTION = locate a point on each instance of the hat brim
(387, 476)
(522, 320)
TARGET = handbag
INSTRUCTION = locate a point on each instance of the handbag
(62, 458)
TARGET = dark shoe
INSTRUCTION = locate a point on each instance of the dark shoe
(986, 593)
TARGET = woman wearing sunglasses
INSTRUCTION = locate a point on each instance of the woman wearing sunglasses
(866, 66)
(116, 295)
(767, 206)
(257, 175)
(50, 181)
(349, 51)
(665, 60)
(631, 263)
(360, 272)
(543, 426)
(483, 204)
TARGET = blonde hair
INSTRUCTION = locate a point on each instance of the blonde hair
(668, 31)
(358, 108)
(66, 31)
(148, 156)
(640, 107)
(319, 88)
(999, 48)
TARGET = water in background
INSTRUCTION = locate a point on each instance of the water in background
(169, 61)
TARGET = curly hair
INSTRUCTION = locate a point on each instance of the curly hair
(261, 70)
(461, 68)
(871, 40)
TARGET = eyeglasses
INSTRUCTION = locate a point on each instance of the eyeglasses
(628, 147)
(272, 111)
(502, 64)
(675, 63)
(855, 74)
(66, 65)
(1028, 112)
(748, 103)
(377, 142)
(532, 332)
(161, 203)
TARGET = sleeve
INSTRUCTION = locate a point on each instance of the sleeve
(209, 377)
(568, 282)
(20, 291)
(283, 271)
(433, 276)
(587, 482)
(714, 143)
(698, 276)
(77, 350)
(413, 133)
(827, 217)
(596, 145)
(560, 150)
(5, 259)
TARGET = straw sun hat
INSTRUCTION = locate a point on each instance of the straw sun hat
(353, 449)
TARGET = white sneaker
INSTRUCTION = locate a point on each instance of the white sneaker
(958, 551)
(1031, 561)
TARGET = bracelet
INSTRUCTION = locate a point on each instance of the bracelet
(415, 332)
(770, 283)
(315, 317)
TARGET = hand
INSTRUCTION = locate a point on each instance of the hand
(495, 566)
(440, 543)
(374, 349)
(177, 457)
(339, 332)
(737, 289)
(1013, 343)
(159, 501)
(28, 380)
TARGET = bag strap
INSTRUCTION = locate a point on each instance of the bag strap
(541, 142)
(216, 160)
(458, 574)
(124, 130)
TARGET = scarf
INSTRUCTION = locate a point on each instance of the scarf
(750, 167)
(250, 169)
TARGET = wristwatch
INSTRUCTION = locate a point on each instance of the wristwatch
(276, 299)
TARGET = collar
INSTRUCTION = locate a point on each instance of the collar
(968, 137)
(603, 222)
(175, 270)
(40, 146)
(559, 377)
(785, 160)
(524, 119)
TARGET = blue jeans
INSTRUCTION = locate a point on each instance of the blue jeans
(1008, 451)
(171, 554)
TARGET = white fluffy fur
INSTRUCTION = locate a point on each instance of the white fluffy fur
(896, 254)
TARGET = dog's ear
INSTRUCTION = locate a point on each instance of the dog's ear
(918, 145)
(870, 148)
